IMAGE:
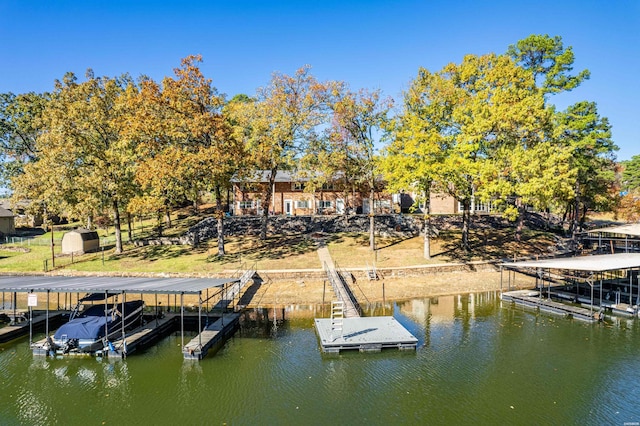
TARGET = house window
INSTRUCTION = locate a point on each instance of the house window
(324, 204)
(297, 186)
(302, 204)
(246, 204)
(327, 186)
(382, 204)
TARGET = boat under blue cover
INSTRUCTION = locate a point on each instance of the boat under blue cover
(95, 323)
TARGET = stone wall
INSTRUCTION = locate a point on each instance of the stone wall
(289, 225)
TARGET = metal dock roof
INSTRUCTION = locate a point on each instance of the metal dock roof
(596, 263)
(62, 284)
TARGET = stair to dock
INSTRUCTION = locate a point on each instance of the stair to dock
(337, 319)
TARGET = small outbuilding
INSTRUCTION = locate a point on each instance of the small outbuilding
(7, 222)
(80, 241)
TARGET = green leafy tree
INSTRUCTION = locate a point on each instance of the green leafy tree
(631, 174)
(467, 118)
(20, 125)
(549, 61)
(588, 136)
(412, 159)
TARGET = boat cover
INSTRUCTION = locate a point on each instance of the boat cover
(84, 328)
(91, 322)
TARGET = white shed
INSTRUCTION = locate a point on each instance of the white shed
(80, 241)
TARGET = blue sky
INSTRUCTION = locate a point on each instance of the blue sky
(368, 44)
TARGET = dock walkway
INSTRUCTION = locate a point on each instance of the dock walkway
(532, 299)
(11, 332)
(211, 336)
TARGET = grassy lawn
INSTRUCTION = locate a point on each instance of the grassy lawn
(277, 252)
(352, 250)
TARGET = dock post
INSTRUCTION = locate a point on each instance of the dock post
(46, 331)
(182, 319)
(200, 320)
(324, 289)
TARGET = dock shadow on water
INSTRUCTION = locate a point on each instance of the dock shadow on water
(508, 366)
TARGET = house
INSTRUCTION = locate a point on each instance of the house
(290, 198)
(7, 222)
(21, 218)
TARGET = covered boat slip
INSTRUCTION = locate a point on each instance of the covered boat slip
(125, 286)
(607, 282)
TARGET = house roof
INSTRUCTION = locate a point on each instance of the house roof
(262, 176)
(6, 213)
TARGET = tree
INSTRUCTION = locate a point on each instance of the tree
(357, 119)
(278, 126)
(549, 62)
(20, 125)
(631, 174)
(413, 157)
(82, 149)
(187, 142)
(581, 129)
(464, 117)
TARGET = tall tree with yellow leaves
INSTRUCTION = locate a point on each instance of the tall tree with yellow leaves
(278, 124)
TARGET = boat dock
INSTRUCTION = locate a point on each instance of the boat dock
(38, 322)
(347, 329)
(532, 299)
(366, 334)
(211, 337)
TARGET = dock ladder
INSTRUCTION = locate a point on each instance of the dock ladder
(337, 317)
(372, 273)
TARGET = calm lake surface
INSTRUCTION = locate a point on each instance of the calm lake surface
(478, 362)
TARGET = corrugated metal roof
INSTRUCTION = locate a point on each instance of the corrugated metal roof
(58, 284)
(632, 229)
(596, 263)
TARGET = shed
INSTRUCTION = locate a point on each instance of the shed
(7, 222)
(80, 241)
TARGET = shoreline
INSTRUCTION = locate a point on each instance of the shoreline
(311, 291)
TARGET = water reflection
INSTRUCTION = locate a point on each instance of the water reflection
(479, 362)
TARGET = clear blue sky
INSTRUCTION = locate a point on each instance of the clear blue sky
(369, 44)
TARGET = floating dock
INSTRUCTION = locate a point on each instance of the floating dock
(366, 334)
(532, 299)
(211, 337)
(348, 330)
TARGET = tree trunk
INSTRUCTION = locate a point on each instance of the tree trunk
(427, 223)
(267, 201)
(372, 236)
(116, 223)
(167, 216)
(220, 214)
(129, 228)
(520, 223)
(466, 218)
(576, 209)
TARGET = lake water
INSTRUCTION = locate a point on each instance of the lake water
(477, 363)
